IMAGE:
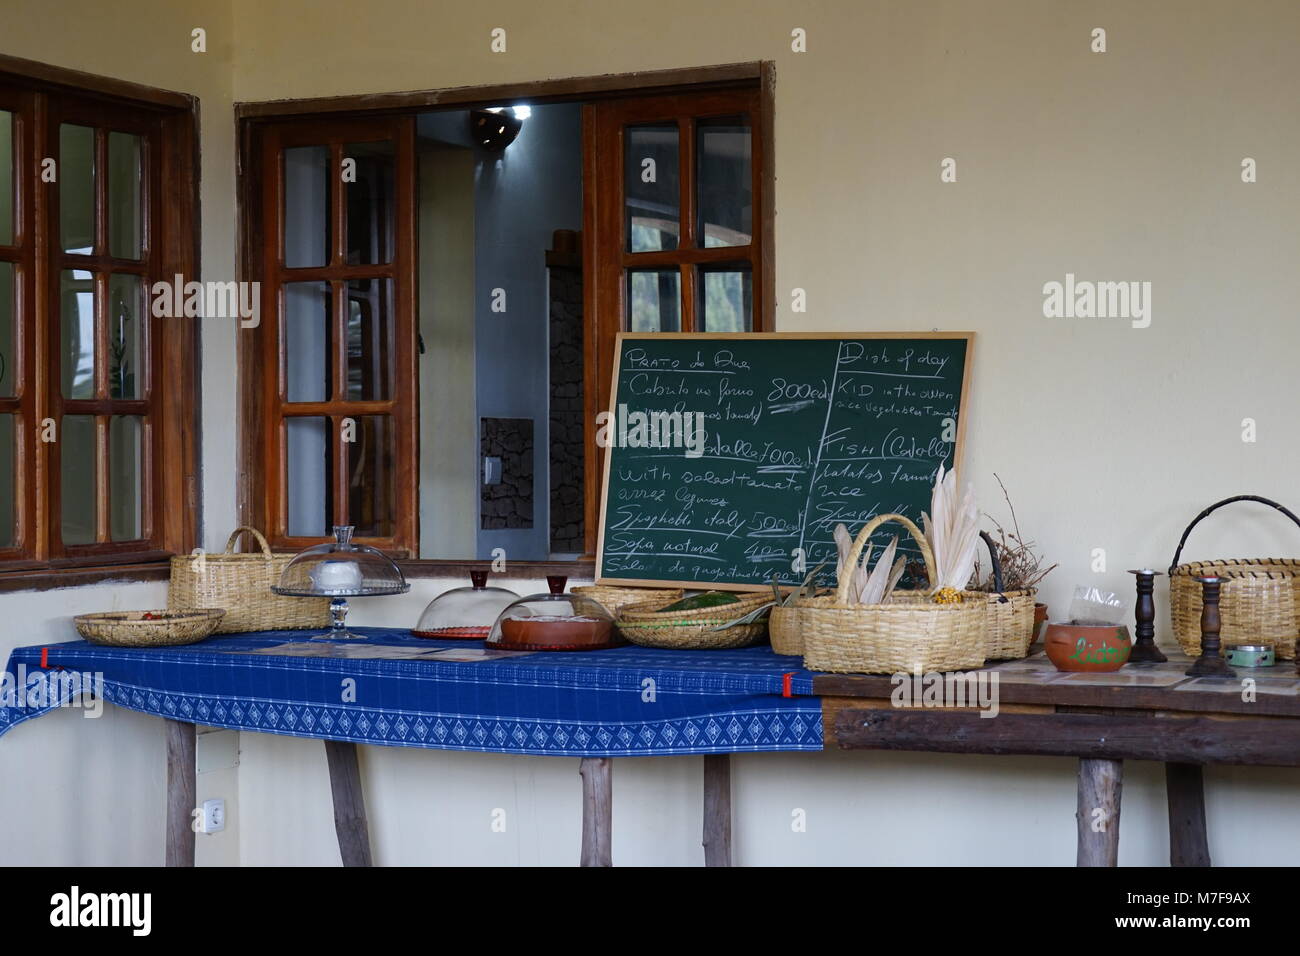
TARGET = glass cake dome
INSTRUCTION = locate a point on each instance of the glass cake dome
(465, 613)
(338, 570)
(554, 622)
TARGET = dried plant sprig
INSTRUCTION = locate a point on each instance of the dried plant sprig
(1022, 565)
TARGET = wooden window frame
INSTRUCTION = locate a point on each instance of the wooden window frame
(47, 95)
(271, 409)
(253, 119)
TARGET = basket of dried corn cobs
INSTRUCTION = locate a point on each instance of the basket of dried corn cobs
(1259, 601)
(714, 620)
(941, 628)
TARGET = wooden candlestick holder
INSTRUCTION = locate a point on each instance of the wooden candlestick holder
(1144, 614)
(1210, 663)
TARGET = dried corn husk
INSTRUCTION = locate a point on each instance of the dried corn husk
(953, 535)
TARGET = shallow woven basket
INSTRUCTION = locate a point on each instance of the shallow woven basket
(1259, 602)
(1010, 623)
(612, 598)
(646, 625)
(908, 634)
(163, 629)
(241, 583)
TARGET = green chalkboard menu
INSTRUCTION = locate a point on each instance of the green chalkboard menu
(730, 458)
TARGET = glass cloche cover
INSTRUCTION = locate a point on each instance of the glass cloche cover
(341, 569)
(554, 622)
(464, 613)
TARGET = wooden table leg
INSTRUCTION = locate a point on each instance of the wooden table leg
(349, 803)
(1100, 781)
(181, 793)
(717, 810)
(597, 810)
(1185, 792)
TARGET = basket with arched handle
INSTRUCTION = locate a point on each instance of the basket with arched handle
(1259, 601)
(241, 583)
(909, 633)
(1010, 624)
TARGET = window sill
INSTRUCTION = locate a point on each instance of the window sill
(48, 579)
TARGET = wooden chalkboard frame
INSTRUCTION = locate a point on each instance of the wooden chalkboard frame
(622, 337)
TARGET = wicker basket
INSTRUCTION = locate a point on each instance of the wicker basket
(1010, 624)
(908, 634)
(612, 598)
(785, 629)
(1259, 602)
(147, 628)
(646, 625)
(241, 583)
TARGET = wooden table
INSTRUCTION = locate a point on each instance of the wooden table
(1142, 712)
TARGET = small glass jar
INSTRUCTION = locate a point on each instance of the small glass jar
(464, 613)
(554, 622)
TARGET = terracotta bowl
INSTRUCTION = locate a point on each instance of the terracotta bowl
(1087, 647)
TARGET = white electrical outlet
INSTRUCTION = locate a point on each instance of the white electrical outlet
(214, 816)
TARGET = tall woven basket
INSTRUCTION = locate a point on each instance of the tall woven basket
(910, 633)
(241, 583)
(1010, 624)
(1259, 602)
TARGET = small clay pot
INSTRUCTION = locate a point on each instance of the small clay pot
(1040, 615)
(1087, 647)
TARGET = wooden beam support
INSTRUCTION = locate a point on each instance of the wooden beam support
(597, 810)
(1114, 736)
(181, 790)
(349, 803)
(717, 810)
(1100, 783)
(1185, 792)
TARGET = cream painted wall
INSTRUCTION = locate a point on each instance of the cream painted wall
(1115, 166)
(62, 770)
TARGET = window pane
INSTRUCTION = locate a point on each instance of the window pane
(77, 470)
(77, 187)
(307, 442)
(307, 338)
(6, 178)
(654, 300)
(126, 370)
(306, 206)
(725, 182)
(726, 299)
(8, 341)
(125, 468)
(370, 203)
(650, 185)
(125, 213)
(77, 333)
(370, 339)
(8, 487)
(372, 504)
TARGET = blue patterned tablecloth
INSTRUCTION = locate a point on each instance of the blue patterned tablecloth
(627, 701)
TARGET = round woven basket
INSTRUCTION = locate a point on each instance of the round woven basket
(159, 629)
(1010, 623)
(785, 631)
(611, 598)
(908, 634)
(697, 630)
(1259, 602)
